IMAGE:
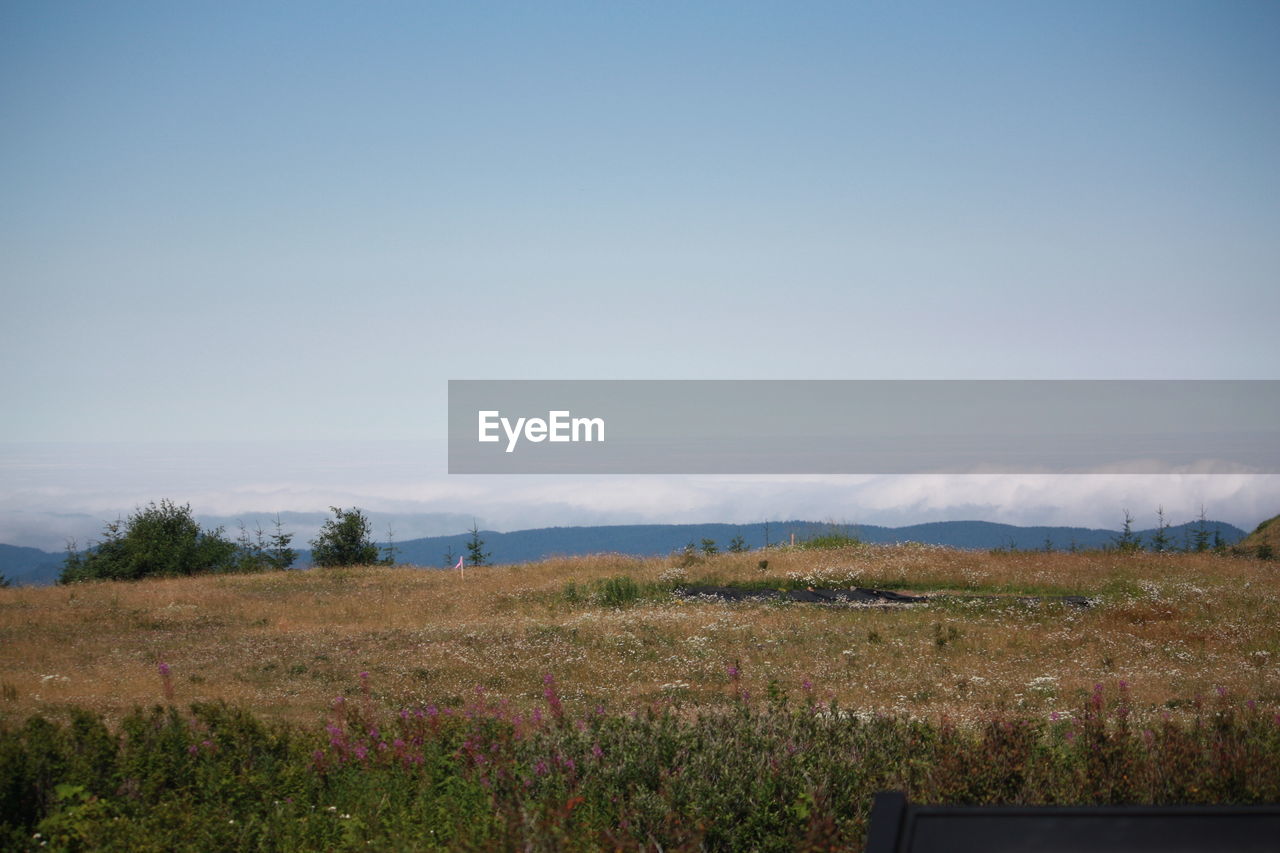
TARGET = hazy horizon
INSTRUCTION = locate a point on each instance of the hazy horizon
(61, 491)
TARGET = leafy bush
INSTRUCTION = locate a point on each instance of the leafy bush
(344, 541)
(158, 540)
(165, 540)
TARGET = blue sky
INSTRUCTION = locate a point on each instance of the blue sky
(295, 222)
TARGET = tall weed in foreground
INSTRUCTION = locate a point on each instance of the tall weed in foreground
(775, 774)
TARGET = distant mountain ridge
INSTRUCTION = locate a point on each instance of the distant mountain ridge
(33, 566)
(658, 539)
(25, 566)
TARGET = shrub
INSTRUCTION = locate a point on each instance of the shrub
(763, 775)
(344, 541)
(158, 540)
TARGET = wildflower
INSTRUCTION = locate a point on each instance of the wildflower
(165, 681)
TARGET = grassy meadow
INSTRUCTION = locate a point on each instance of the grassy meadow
(580, 704)
(284, 644)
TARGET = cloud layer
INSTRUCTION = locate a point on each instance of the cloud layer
(61, 492)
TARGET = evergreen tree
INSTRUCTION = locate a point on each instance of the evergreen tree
(737, 545)
(709, 548)
(279, 553)
(476, 554)
(1200, 539)
(1129, 542)
(262, 552)
(1160, 539)
(389, 550)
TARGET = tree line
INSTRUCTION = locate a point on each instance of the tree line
(164, 540)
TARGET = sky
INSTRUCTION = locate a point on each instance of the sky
(244, 246)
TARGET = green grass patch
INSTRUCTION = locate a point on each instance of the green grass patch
(617, 591)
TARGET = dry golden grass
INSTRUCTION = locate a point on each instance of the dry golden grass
(285, 644)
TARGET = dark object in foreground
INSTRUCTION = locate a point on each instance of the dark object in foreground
(818, 596)
(860, 595)
(898, 827)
